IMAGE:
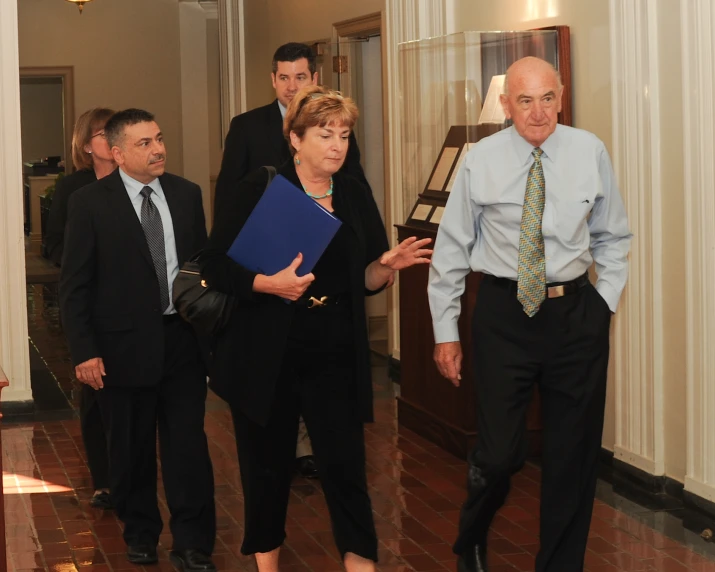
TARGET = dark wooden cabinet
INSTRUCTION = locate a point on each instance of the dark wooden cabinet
(428, 404)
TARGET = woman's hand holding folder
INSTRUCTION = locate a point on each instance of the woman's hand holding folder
(285, 284)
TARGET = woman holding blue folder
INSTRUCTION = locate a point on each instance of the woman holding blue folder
(276, 361)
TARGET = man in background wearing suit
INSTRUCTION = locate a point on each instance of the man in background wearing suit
(255, 139)
(127, 236)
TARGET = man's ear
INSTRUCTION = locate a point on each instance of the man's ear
(117, 155)
(315, 78)
(559, 97)
(504, 100)
(273, 80)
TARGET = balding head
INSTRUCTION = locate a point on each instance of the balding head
(532, 98)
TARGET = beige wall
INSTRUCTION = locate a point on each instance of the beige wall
(213, 70)
(125, 54)
(590, 67)
(270, 23)
(41, 110)
(673, 229)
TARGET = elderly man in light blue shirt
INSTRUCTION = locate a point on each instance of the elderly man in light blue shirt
(532, 208)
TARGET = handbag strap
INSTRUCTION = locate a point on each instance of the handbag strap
(271, 173)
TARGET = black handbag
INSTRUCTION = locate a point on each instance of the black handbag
(196, 302)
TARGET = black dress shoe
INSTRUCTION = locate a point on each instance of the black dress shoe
(141, 554)
(101, 499)
(474, 559)
(306, 467)
(191, 560)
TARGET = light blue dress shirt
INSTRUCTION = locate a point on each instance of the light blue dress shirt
(134, 189)
(283, 110)
(584, 219)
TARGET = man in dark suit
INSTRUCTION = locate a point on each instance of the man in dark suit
(127, 236)
(255, 139)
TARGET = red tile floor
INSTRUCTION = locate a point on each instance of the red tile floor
(415, 486)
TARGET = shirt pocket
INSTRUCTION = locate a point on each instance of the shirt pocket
(570, 219)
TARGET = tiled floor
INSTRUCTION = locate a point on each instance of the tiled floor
(416, 490)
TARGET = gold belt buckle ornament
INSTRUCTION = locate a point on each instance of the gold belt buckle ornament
(314, 302)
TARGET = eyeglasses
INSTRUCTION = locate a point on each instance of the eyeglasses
(98, 134)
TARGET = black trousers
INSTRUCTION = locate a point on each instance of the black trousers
(176, 405)
(317, 382)
(564, 349)
(94, 437)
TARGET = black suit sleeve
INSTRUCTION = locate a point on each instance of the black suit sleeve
(352, 164)
(77, 281)
(235, 162)
(220, 271)
(55, 231)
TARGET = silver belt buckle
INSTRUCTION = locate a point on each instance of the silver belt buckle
(555, 291)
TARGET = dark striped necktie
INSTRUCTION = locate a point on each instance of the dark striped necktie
(154, 232)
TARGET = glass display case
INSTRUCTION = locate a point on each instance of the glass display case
(449, 100)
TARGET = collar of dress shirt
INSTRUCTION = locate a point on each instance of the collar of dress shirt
(134, 187)
(282, 108)
(523, 148)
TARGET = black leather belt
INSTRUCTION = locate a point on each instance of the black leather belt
(321, 301)
(553, 289)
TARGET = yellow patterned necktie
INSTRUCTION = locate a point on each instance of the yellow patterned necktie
(531, 279)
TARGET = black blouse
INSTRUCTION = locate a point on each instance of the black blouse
(55, 231)
(248, 353)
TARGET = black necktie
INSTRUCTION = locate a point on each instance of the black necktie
(154, 232)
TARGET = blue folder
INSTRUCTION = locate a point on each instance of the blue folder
(285, 222)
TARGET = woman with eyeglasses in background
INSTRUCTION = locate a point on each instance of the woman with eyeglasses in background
(93, 160)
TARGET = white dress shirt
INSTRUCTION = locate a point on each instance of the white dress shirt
(134, 189)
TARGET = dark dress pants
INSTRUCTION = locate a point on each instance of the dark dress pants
(94, 437)
(176, 405)
(564, 350)
(317, 381)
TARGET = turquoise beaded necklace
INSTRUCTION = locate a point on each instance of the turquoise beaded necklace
(318, 197)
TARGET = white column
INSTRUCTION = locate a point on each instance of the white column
(698, 19)
(405, 20)
(14, 353)
(233, 63)
(637, 338)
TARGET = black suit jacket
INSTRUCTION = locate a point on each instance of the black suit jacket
(249, 351)
(109, 292)
(55, 231)
(255, 139)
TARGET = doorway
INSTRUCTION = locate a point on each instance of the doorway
(47, 121)
(357, 71)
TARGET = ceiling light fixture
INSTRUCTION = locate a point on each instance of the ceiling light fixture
(80, 3)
